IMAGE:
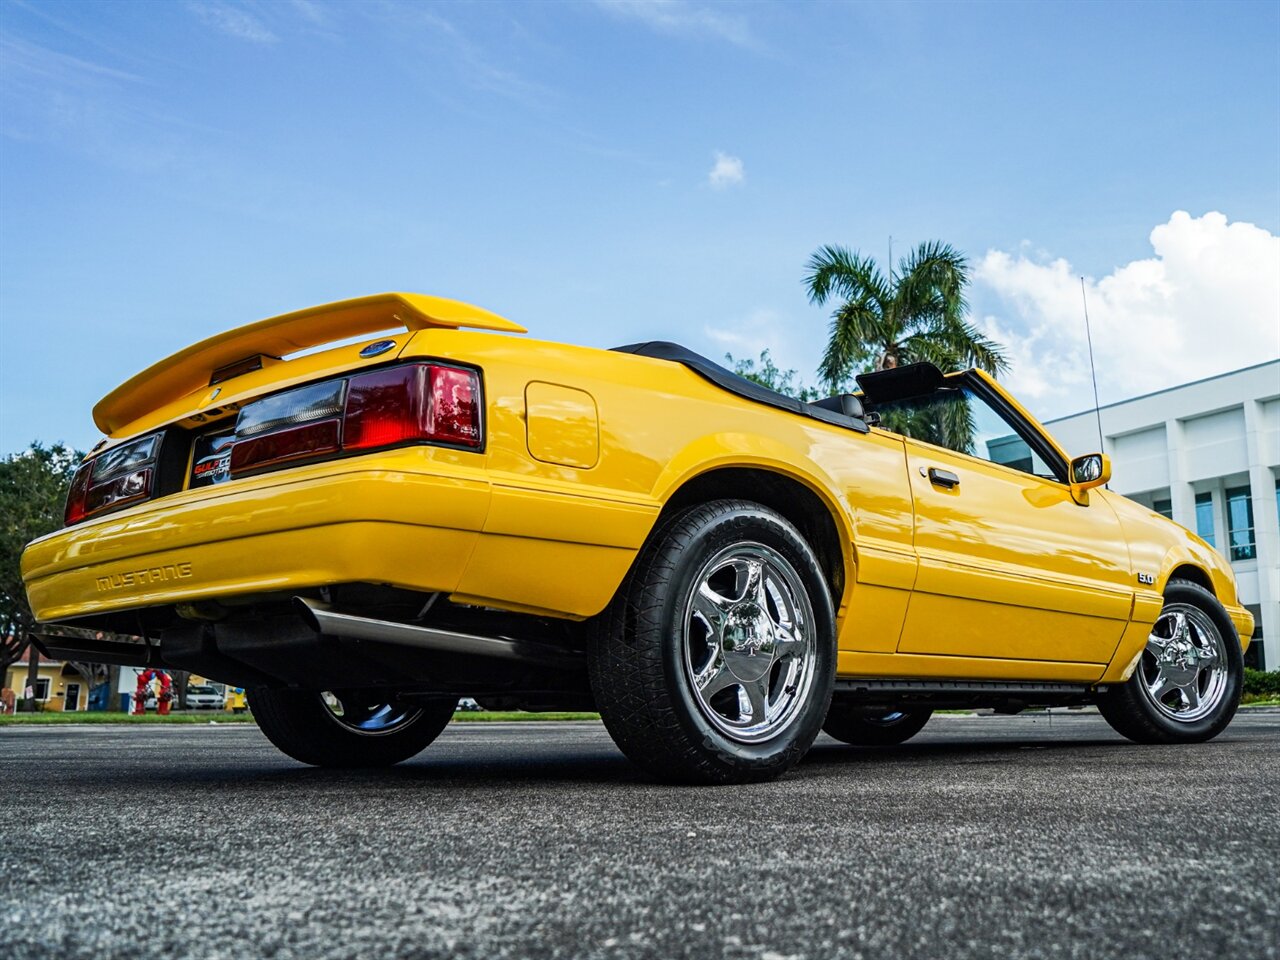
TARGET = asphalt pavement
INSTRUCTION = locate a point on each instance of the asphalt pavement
(1041, 836)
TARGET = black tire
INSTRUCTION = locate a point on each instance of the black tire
(854, 724)
(302, 725)
(1134, 712)
(640, 661)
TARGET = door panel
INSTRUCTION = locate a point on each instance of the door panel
(1010, 565)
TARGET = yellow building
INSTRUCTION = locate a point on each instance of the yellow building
(59, 686)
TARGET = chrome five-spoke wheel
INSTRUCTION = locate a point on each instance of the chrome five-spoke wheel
(716, 661)
(1184, 668)
(1187, 681)
(748, 647)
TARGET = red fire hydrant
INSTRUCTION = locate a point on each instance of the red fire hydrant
(163, 699)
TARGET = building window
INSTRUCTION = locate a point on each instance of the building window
(1204, 517)
(42, 688)
(1163, 507)
(1240, 524)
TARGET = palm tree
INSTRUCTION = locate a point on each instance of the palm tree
(919, 315)
(883, 322)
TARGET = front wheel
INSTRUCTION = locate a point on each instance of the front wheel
(715, 662)
(346, 728)
(1187, 684)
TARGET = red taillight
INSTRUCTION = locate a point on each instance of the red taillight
(116, 478)
(75, 511)
(413, 402)
(294, 443)
(118, 491)
(387, 406)
(410, 403)
(455, 406)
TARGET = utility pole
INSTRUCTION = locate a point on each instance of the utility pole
(33, 674)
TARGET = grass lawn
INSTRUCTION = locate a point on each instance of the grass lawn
(102, 716)
(206, 718)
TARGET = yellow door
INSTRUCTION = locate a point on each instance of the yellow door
(1010, 566)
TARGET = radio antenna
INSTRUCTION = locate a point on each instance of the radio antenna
(1097, 407)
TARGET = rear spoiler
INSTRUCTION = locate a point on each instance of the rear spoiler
(193, 368)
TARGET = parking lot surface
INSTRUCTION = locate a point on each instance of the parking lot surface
(1041, 836)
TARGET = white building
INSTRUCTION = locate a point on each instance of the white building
(1207, 455)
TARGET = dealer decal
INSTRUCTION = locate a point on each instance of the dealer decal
(138, 578)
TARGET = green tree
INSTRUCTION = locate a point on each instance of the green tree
(33, 491)
(881, 322)
(767, 373)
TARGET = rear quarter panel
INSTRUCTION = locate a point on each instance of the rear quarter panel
(560, 536)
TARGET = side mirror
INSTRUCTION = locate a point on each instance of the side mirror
(1091, 470)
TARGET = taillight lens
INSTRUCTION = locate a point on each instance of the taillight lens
(316, 401)
(295, 443)
(455, 406)
(75, 511)
(117, 478)
(410, 403)
(416, 402)
(387, 406)
(295, 425)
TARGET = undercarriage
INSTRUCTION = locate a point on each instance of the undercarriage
(411, 647)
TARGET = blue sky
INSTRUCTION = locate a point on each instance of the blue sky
(169, 170)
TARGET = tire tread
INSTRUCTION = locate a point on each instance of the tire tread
(295, 721)
(628, 677)
(1124, 706)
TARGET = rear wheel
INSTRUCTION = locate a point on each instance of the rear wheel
(346, 728)
(1187, 684)
(715, 662)
(855, 724)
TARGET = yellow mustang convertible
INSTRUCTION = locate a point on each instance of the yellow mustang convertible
(363, 534)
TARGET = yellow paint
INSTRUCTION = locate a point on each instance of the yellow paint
(854, 664)
(1007, 577)
(563, 425)
(52, 671)
(1012, 565)
(190, 369)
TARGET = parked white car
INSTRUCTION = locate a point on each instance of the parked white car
(204, 696)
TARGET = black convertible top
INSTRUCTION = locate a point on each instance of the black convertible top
(747, 389)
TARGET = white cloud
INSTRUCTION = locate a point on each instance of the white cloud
(1206, 303)
(311, 11)
(786, 338)
(680, 18)
(232, 21)
(727, 172)
(759, 330)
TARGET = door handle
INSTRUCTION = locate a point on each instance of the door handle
(942, 478)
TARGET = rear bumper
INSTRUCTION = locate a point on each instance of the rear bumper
(387, 518)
